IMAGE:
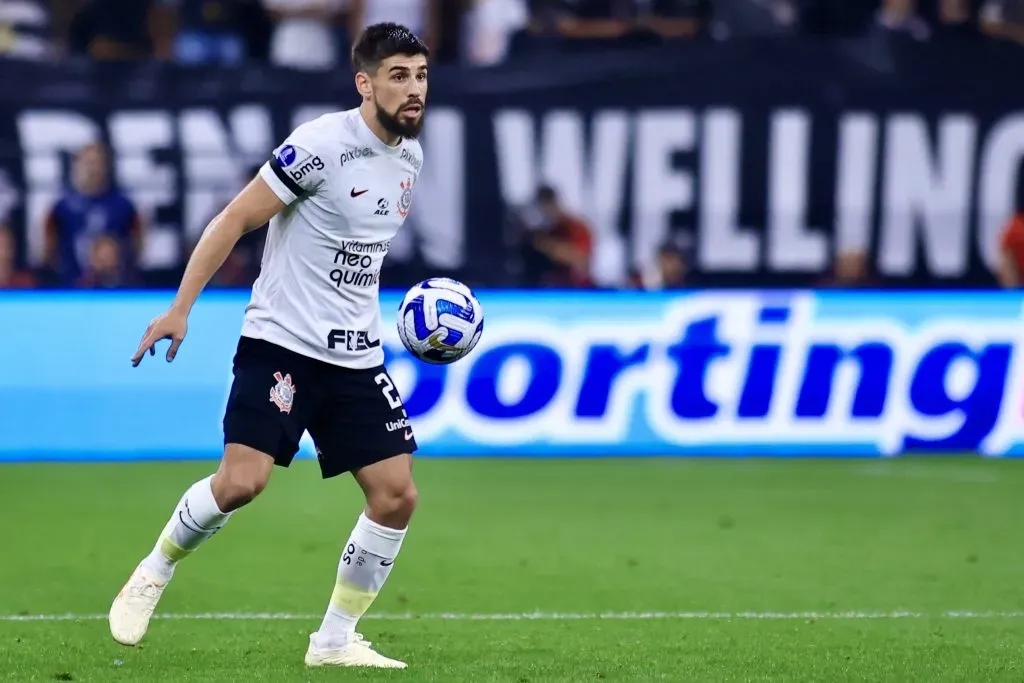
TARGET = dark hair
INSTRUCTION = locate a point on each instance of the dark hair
(546, 193)
(380, 41)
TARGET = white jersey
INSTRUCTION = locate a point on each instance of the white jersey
(347, 194)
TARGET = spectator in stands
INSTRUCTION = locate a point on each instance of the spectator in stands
(1003, 19)
(490, 27)
(1011, 253)
(105, 267)
(668, 271)
(559, 247)
(956, 19)
(422, 17)
(673, 18)
(91, 207)
(590, 19)
(902, 16)
(921, 20)
(209, 31)
(539, 37)
(11, 277)
(590, 24)
(737, 18)
(116, 30)
(851, 269)
(304, 34)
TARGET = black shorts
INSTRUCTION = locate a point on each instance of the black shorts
(356, 417)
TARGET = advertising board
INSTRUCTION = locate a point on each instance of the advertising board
(769, 373)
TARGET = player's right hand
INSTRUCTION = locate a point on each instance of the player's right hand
(170, 325)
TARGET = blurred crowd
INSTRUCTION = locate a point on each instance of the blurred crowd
(315, 34)
(550, 247)
(94, 237)
(94, 234)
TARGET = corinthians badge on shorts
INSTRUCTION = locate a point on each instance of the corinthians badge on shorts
(282, 394)
(405, 201)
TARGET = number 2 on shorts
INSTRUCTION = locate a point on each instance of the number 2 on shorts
(388, 389)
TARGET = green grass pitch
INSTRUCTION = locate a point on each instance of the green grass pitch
(706, 570)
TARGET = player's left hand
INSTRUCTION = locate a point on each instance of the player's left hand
(170, 325)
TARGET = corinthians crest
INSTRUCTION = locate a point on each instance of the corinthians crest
(405, 201)
(282, 394)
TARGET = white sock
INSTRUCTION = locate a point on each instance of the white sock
(364, 567)
(195, 519)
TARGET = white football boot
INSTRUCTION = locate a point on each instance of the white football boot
(356, 652)
(129, 615)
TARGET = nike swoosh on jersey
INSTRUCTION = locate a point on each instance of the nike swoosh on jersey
(408, 435)
(353, 193)
(386, 563)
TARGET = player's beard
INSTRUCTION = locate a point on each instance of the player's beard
(393, 124)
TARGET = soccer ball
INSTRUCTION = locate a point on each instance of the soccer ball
(440, 320)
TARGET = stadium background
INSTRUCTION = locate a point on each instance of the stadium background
(789, 229)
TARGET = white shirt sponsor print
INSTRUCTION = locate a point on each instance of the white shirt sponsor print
(347, 194)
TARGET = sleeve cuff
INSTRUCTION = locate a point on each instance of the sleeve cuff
(271, 174)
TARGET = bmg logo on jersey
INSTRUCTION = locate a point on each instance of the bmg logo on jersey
(297, 162)
(307, 167)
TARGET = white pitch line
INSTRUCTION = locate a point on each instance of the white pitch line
(550, 616)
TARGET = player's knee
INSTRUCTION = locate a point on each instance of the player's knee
(408, 500)
(237, 488)
(246, 488)
(242, 475)
(394, 506)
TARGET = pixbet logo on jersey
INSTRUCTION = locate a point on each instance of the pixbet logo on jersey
(743, 374)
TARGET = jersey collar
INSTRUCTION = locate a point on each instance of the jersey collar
(372, 140)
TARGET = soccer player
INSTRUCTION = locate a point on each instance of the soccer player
(309, 357)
